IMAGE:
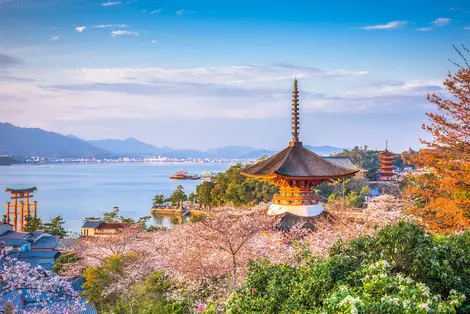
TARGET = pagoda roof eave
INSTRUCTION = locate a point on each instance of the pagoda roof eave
(277, 175)
(296, 161)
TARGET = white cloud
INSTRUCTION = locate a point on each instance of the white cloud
(153, 41)
(389, 25)
(424, 29)
(110, 26)
(455, 9)
(121, 33)
(442, 21)
(467, 28)
(110, 3)
(156, 11)
(183, 11)
(227, 75)
(55, 37)
(80, 28)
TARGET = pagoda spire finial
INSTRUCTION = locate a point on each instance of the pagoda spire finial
(295, 115)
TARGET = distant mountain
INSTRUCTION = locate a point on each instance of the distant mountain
(74, 137)
(28, 142)
(325, 150)
(258, 154)
(130, 147)
(231, 152)
(320, 150)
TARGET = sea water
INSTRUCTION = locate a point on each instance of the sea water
(76, 191)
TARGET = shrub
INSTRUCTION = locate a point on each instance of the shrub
(401, 269)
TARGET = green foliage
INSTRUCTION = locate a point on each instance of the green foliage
(197, 218)
(97, 279)
(64, 259)
(159, 199)
(148, 298)
(362, 158)
(55, 227)
(192, 198)
(32, 224)
(352, 191)
(401, 269)
(233, 188)
(372, 174)
(368, 159)
(178, 196)
(111, 216)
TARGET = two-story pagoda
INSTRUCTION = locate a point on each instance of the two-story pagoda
(296, 170)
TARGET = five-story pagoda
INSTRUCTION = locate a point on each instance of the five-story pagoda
(386, 165)
(296, 170)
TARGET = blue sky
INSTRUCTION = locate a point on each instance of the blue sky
(201, 74)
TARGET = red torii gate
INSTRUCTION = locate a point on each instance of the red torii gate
(20, 210)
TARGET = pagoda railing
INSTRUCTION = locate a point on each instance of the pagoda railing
(290, 196)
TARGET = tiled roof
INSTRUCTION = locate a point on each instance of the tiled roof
(10, 234)
(38, 254)
(344, 162)
(298, 161)
(112, 225)
(13, 242)
(46, 242)
(66, 244)
(92, 224)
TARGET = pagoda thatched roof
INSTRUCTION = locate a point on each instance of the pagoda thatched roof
(299, 162)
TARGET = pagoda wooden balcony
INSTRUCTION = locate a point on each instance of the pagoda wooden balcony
(295, 198)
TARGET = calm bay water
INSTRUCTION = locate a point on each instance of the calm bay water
(76, 191)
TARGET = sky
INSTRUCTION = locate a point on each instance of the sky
(204, 74)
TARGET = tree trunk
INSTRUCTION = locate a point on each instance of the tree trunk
(234, 271)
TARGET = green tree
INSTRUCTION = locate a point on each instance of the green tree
(192, 198)
(151, 297)
(401, 269)
(32, 224)
(178, 196)
(55, 227)
(203, 192)
(232, 188)
(159, 199)
(111, 216)
(64, 259)
(97, 279)
(372, 174)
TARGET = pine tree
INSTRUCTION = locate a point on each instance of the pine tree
(55, 227)
(32, 224)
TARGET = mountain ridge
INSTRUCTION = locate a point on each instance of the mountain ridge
(29, 142)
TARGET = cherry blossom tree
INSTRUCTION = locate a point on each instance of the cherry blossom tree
(17, 278)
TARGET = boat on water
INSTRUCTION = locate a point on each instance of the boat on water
(180, 175)
(6, 161)
(207, 176)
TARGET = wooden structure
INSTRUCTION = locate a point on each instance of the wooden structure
(296, 170)
(93, 228)
(17, 210)
(386, 165)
